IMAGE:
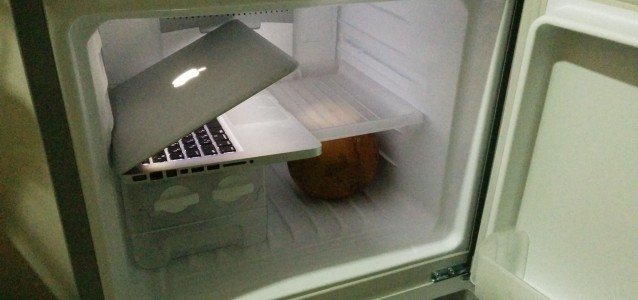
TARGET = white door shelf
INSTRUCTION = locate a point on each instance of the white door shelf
(334, 106)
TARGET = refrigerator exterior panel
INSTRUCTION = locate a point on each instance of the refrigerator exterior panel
(562, 220)
(29, 215)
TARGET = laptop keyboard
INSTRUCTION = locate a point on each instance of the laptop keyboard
(207, 140)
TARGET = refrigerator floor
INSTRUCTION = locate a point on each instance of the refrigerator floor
(304, 236)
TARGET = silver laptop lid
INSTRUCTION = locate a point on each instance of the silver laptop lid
(189, 88)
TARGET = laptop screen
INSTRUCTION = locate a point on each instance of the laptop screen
(191, 87)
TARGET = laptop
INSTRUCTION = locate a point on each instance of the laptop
(206, 107)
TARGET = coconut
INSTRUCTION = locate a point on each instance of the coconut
(344, 167)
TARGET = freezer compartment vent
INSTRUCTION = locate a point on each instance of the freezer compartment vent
(207, 23)
(335, 106)
(159, 175)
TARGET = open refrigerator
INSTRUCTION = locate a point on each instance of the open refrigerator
(507, 136)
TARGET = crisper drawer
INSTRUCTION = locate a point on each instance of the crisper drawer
(156, 248)
(156, 204)
(189, 213)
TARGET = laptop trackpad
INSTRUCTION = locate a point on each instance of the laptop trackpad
(260, 108)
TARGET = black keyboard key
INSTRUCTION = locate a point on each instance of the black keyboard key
(226, 149)
(146, 162)
(188, 139)
(159, 157)
(216, 130)
(193, 153)
(202, 135)
(224, 143)
(175, 156)
(190, 146)
(174, 149)
(213, 123)
(205, 141)
(200, 130)
(219, 137)
(208, 150)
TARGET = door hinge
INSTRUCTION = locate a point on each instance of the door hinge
(450, 272)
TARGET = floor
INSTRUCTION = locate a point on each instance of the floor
(17, 279)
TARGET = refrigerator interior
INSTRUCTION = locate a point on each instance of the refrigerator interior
(415, 73)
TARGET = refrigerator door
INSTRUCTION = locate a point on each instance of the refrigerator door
(559, 220)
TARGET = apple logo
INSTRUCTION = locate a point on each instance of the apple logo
(186, 76)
